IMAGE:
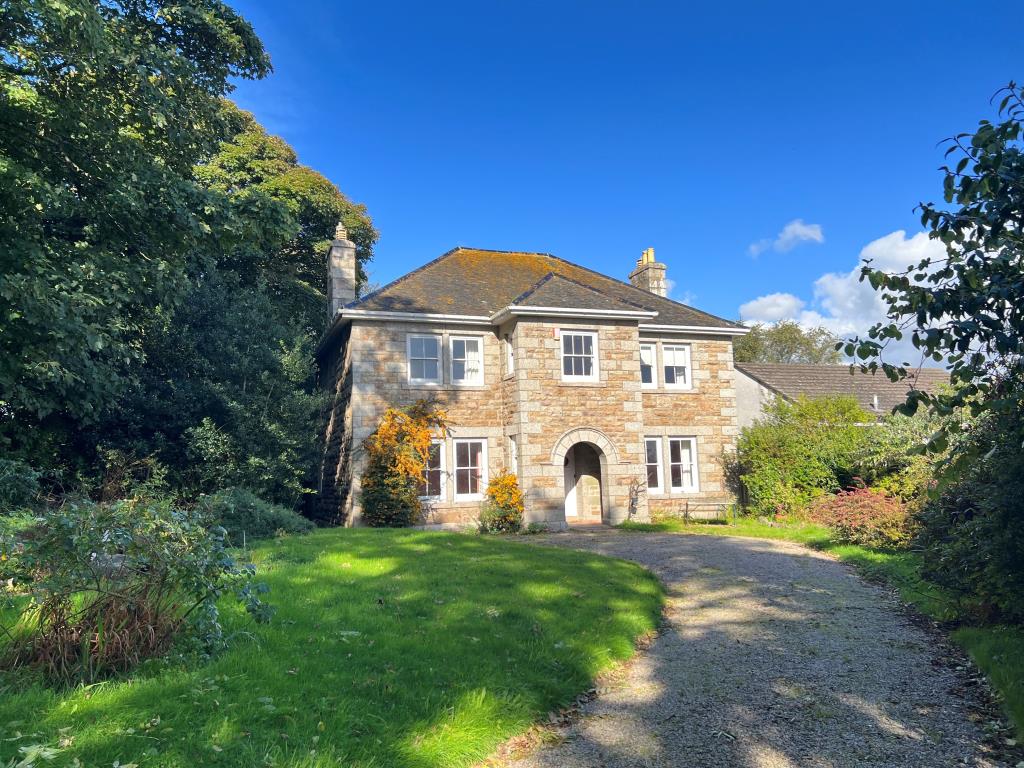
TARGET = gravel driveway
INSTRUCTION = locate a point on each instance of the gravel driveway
(773, 656)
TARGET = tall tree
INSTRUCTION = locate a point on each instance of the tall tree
(786, 342)
(105, 109)
(226, 395)
(965, 309)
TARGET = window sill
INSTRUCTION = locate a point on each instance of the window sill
(473, 499)
(594, 383)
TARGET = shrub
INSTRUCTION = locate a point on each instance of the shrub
(864, 516)
(19, 484)
(245, 516)
(397, 452)
(972, 533)
(502, 512)
(799, 451)
(113, 584)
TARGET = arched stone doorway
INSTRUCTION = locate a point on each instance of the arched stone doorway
(584, 489)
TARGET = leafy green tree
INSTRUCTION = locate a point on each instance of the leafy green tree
(105, 109)
(285, 251)
(964, 309)
(786, 342)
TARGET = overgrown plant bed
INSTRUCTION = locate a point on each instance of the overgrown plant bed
(998, 651)
(388, 648)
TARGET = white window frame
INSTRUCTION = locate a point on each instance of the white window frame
(513, 453)
(476, 381)
(442, 484)
(694, 487)
(408, 357)
(653, 346)
(688, 350)
(595, 374)
(660, 487)
(510, 355)
(484, 475)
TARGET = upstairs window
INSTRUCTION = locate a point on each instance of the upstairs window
(579, 356)
(682, 464)
(432, 484)
(652, 458)
(424, 353)
(510, 355)
(470, 468)
(677, 365)
(467, 360)
(648, 365)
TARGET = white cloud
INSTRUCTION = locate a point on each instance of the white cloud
(771, 308)
(845, 305)
(794, 233)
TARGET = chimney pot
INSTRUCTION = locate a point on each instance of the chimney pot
(649, 274)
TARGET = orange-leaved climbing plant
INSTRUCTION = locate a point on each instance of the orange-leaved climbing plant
(398, 452)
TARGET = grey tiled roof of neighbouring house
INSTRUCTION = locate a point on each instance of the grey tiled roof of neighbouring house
(794, 380)
(476, 282)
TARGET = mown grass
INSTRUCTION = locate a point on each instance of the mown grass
(998, 651)
(389, 648)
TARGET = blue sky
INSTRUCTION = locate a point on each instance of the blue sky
(593, 130)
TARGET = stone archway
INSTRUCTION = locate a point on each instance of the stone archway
(585, 456)
(584, 435)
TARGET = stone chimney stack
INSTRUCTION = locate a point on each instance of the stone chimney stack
(341, 272)
(649, 274)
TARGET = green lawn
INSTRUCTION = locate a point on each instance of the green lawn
(389, 648)
(998, 651)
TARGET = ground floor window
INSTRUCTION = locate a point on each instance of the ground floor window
(470, 468)
(652, 457)
(432, 484)
(682, 464)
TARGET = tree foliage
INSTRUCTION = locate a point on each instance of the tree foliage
(105, 108)
(786, 342)
(397, 454)
(964, 309)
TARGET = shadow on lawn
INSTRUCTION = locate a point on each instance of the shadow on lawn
(389, 648)
(772, 656)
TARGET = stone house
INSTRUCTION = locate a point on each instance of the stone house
(599, 394)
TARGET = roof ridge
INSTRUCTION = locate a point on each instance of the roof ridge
(403, 278)
(633, 287)
(550, 275)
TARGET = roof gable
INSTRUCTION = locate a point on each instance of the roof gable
(477, 282)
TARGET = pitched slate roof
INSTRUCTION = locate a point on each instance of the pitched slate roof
(477, 282)
(793, 380)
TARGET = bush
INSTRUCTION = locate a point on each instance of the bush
(19, 485)
(972, 534)
(113, 584)
(797, 452)
(502, 512)
(864, 516)
(245, 516)
(397, 452)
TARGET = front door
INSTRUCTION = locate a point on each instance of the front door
(588, 498)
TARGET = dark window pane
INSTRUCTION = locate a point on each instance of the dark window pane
(461, 454)
(577, 345)
(677, 476)
(670, 374)
(462, 481)
(577, 366)
(588, 345)
(430, 369)
(458, 370)
(588, 366)
(474, 480)
(652, 477)
(430, 347)
(567, 345)
(674, 451)
(652, 452)
(646, 374)
(475, 452)
(567, 366)
(416, 347)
